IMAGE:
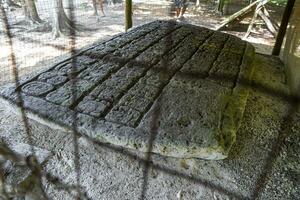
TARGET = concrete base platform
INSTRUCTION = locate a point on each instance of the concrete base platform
(264, 162)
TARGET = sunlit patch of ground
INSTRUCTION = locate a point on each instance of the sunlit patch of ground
(37, 50)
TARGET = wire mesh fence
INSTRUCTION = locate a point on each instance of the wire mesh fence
(37, 37)
(42, 45)
(19, 33)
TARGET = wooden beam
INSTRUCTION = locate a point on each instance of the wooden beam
(128, 14)
(268, 22)
(283, 26)
(258, 8)
(266, 13)
(238, 14)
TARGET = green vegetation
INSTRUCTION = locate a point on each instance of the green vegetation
(279, 2)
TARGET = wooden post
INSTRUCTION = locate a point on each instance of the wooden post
(222, 6)
(128, 14)
(283, 26)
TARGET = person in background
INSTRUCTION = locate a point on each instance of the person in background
(180, 6)
(100, 2)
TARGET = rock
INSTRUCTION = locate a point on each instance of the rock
(123, 170)
(194, 78)
(19, 179)
(35, 88)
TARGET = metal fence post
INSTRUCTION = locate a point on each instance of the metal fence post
(283, 26)
(128, 14)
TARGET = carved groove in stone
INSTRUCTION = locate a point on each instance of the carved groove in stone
(194, 75)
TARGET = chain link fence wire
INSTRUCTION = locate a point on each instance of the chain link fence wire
(17, 34)
(43, 46)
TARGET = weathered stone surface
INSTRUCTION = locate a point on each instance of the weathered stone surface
(17, 177)
(225, 69)
(93, 107)
(194, 75)
(196, 122)
(36, 88)
(236, 177)
(57, 80)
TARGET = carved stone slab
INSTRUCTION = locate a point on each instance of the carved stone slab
(165, 87)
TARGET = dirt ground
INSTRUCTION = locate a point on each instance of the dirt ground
(36, 50)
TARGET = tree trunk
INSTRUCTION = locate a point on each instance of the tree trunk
(25, 10)
(10, 3)
(61, 24)
(111, 2)
(30, 11)
(34, 16)
(100, 2)
(95, 7)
